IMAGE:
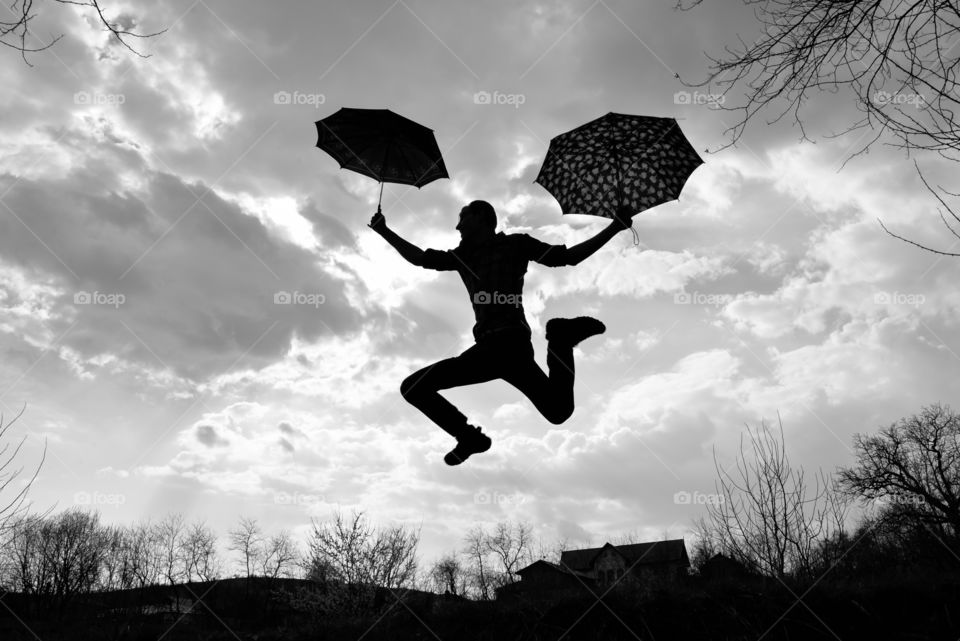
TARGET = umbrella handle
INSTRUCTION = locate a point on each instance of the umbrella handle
(381, 197)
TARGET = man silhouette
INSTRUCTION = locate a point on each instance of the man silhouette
(492, 266)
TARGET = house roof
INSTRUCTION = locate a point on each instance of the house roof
(673, 551)
(551, 566)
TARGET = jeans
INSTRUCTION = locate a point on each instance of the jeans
(506, 355)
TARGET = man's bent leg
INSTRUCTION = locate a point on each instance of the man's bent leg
(552, 395)
(420, 388)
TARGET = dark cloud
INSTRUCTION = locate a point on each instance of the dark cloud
(329, 230)
(207, 435)
(199, 277)
(289, 430)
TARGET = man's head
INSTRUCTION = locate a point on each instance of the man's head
(477, 219)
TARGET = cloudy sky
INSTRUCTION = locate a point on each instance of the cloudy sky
(151, 208)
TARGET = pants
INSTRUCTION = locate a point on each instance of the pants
(507, 355)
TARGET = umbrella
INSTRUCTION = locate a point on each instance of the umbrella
(383, 145)
(617, 160)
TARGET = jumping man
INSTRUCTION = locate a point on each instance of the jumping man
(492, 266)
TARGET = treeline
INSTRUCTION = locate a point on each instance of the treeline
(776, 521)
(59, 556)
(73, 552)
(777, 524)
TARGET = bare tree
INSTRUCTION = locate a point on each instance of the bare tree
(200, 553)
(943, 218)
(115, 571)
(15, 31)
(897, 60)
(353, 552)
(479, 571)
(510, 544)
(247, 539)
(766, 515)
(915, 464)
(77, 551)
(634, 536)
(12, 498)
(30, 568)
(882, 52)
(448, 575)
(704, 545)
(57, 557)
(169, 537)
(143, 550)
(280, 555)
(394, 556)
(551, 551)
(350, 561)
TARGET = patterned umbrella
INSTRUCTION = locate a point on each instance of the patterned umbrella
(383, 145)
(615, 160)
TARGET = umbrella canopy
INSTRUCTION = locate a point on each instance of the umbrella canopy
(382, 145)
(616, 160)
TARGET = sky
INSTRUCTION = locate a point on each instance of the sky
(152, 208)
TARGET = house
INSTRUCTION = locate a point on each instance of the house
(637, 566)
(720, 567)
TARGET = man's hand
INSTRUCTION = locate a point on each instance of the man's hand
(378, 223)
(410, 252)
(624, 216)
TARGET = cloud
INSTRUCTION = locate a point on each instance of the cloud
(207, 435)
(186, 280)
(821, 316)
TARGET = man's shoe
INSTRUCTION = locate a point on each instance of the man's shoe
(472, 441)
(570, 331)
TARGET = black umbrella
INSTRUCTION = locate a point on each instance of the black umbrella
(617, 160)
(383, 145)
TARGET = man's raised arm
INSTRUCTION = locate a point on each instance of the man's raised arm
(409, 251)
(587, 248)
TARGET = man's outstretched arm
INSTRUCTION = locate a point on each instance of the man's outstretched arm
(408, 250)
(581, 251)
